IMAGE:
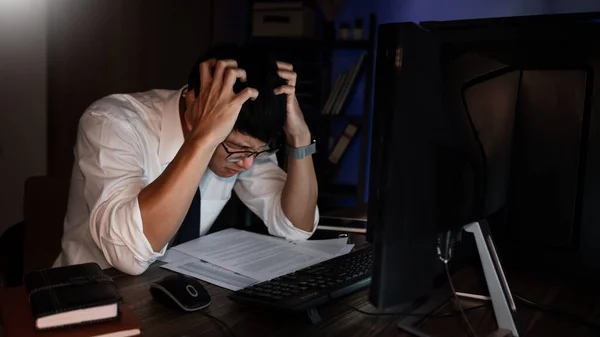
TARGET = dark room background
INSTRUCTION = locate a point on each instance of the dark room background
(58, 56)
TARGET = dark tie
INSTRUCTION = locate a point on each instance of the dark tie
(190, 228)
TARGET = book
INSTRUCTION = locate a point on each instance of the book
(347, 86)
(16, 316)
(334, 93)
(71, 295)
(342, 144)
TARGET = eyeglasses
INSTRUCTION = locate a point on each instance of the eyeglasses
(235, 156)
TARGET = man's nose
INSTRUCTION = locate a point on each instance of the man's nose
(246, 163)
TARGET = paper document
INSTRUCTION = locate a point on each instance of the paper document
(257, 256)
(235, 259)
(211, 273)
(333, 247)
(172, 255)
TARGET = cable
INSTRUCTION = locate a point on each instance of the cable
(445, 259)
(448, 255)
(221, 323)
(462, 311)
(555, 312)
(400, 313)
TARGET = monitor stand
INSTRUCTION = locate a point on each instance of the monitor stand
(502, 301)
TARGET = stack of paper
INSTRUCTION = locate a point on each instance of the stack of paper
(235, 259)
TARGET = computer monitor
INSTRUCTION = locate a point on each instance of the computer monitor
(473, 118)
(428, 172)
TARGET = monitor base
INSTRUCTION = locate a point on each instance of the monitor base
(502, 301)
(408, 324)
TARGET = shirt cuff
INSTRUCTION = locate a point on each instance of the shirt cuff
(285, 228)
(123, 242)
(141, 247)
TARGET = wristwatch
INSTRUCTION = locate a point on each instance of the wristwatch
(302, 151)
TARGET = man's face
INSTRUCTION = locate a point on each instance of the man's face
(234, 142)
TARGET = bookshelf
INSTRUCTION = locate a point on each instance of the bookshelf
(330, 192)
(313, 60)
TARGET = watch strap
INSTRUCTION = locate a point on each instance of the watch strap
(302, 152)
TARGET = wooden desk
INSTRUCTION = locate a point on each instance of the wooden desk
(340, 320)
(156, 320)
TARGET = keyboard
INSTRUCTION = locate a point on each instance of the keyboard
(313, 286)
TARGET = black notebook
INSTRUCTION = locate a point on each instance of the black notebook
(71, 295)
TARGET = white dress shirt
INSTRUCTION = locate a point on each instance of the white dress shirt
(124, 142)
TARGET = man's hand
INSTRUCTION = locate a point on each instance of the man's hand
(300, 192)
(296, 130)
(214, 112)
(210, 117)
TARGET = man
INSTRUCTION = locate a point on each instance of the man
(146, 162)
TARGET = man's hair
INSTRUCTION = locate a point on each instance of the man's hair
(264, 117)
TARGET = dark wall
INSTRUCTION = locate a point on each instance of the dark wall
(23, 102)
(98, 47)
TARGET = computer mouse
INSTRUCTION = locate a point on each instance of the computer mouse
(180, 292)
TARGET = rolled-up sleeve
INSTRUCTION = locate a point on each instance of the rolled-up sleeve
(111, 161)
(260, 190)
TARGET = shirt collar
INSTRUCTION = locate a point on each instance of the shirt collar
(171, 134)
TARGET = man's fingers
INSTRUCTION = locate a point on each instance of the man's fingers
(206, 72)
(284, 66)
(246, 94)
(285, 89)
(288, 75)
(220, 68)
(231, 75)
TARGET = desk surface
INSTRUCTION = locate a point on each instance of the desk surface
(156, 320)
(341, 320)
(338, 318)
